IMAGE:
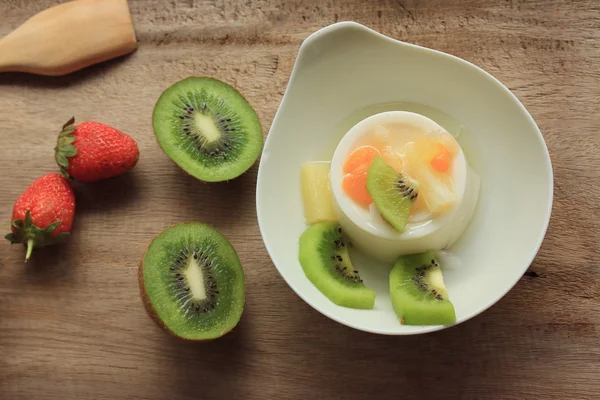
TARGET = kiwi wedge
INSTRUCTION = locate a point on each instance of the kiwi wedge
(207, 128)
(192, 282)
(326, 263)
(393, 193)
(419, 295)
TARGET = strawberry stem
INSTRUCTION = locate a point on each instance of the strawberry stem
(30, 244)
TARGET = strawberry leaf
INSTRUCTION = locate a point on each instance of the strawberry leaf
(68, 139)
(51, 228)
(62, 161)
(69, 150)
(71, 121)
(65, 174)
(66, 132)
(61, 237)
(26, 232)
(64, 147)
(28, 220)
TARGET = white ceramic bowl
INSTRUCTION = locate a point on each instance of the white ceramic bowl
(347, 72)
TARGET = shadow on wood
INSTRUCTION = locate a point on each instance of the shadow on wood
(211, 369)
(228, 202)
(49, 266)
(107, 194)
(72, 79)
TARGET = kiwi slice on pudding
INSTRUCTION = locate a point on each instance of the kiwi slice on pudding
(325, 260)
(419, 295)
(393, 193)
(192, 282)
(207, 128)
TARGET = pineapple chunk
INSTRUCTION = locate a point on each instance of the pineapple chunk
(430, 145)
(381, 141)
(449, 142)
(316, 192)
(392, 158)
(439, 194)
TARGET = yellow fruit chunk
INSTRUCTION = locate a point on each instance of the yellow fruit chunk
(380, 136)
(427, 148)
(316, 192)
(438, 149)
(438, 194)
(380, 139)
(449, 142)
(392, 158)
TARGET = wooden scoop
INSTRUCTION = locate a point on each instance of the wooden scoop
(68, 37)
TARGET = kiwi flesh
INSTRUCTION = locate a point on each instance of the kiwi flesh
(419, 295)
(192, 282)
(324, 257)
(207, 128)
(393, 193)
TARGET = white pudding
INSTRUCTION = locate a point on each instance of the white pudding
(424, 230)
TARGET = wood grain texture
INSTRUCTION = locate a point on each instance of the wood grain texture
(72, 325)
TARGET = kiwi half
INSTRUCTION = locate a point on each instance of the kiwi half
(393, 193)
(207, 128)
(192, 282)
(419, 295)
(326, 263)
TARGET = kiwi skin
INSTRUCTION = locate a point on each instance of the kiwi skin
(148, 306)
(245, 99)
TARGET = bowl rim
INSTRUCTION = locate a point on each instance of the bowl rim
(534, 251)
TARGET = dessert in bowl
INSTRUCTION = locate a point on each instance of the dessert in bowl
(427, 174)
(401, 190)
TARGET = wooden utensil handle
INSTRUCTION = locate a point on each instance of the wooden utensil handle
(68, 37)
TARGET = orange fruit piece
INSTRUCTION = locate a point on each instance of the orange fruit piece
(362, 156)
(355, 186)
(356, 169)
(441, 161)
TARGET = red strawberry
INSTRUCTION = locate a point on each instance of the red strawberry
(43, 214)
(92, 151)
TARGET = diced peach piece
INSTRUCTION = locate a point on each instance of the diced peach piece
(438, 194)
(441, 161)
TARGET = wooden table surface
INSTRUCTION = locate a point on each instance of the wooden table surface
(73, 327)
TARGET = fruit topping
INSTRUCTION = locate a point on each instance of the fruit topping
(393, 193)
(326, 262)
(419, 295)
(438, 193)
(316, 192)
